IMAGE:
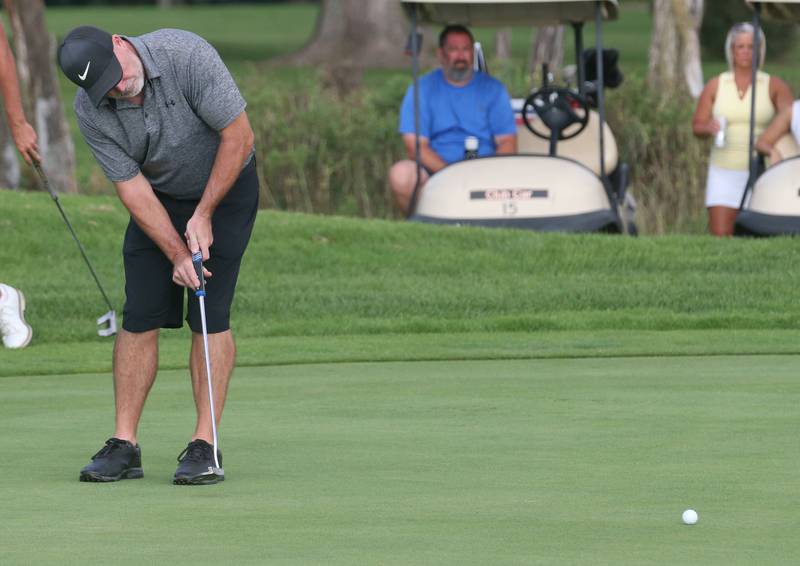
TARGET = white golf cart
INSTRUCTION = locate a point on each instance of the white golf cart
(558, 180)
(771, 204)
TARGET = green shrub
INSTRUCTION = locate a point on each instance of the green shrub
(668, 164)
(322, 152)
(325, 153)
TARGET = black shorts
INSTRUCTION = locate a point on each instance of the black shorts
(153, 300)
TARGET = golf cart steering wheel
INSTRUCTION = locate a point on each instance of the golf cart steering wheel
(558, 109)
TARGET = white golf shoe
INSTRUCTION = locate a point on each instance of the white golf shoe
(16, 332)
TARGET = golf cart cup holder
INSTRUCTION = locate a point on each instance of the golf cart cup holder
(558, 109)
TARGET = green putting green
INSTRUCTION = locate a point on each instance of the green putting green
(559, 461)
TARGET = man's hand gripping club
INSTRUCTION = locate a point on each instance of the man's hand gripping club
(199, 238)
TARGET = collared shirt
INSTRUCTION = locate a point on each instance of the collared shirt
(173, 137)
(449, 114)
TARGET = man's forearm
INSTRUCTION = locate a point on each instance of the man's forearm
(226, 169)
(234, 147)
(431, 160)
(506, 145)
(150, 215)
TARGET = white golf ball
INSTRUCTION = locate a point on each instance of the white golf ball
(690, 517)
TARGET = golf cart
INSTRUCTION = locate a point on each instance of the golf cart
(558, 180)
(771, 203)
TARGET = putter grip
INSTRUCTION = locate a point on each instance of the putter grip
(197, 261)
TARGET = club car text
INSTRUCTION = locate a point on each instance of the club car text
(508, 194)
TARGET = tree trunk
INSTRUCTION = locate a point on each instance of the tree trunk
(357, 34)
(41, 97)
(690, 17)
(663, 54)
(674, 57)
(547, 47)
(502, 44)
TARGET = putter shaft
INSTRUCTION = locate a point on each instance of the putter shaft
(208, 376)
(197, 261)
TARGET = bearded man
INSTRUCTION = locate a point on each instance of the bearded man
(167, 124)
(456, 103)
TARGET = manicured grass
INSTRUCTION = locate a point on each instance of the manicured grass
(588, 389)
(307, 275)
(94, 355)
(504, 462)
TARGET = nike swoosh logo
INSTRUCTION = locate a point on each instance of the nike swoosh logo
(85, 72)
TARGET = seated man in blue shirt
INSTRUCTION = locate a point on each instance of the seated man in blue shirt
(455, 103)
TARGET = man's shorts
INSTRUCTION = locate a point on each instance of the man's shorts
(152, 300)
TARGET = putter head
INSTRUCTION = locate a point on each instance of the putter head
(108, 322)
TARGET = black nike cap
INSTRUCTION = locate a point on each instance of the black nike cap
(86, 56)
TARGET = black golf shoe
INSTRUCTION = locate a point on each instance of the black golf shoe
(196, 465)
(117, 460)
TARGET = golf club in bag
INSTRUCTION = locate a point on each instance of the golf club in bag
(200, 293)
(107, 322)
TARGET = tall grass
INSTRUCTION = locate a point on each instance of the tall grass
(668, 164)
(322, 151)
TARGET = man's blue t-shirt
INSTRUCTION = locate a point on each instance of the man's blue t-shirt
(448, 114)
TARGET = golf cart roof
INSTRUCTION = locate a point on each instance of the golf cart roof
(511, 12)
(783, 10)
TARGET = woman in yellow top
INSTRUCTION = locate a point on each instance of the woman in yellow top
(723, 111)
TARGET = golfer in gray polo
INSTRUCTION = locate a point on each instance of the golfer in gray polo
(167, 124)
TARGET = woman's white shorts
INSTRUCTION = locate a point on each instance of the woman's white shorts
(725, 187)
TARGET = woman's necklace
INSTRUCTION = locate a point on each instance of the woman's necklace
(742, 90)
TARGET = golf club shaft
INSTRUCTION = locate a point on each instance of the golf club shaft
(200, 292)
(208, 376)
(54, 196)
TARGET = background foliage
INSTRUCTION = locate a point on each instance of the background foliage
(720, 17)
(325, 149)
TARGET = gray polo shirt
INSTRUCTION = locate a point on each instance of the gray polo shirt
(172, 139)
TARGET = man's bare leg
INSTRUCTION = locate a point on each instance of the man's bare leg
(223, 357)
(402, 179)
(135, 367)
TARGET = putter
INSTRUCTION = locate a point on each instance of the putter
(107, 322)
(200, 293)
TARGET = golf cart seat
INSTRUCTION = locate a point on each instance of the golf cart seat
(774, 205)
(583, 148)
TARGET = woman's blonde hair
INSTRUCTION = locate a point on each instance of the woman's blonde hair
(737, 30)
